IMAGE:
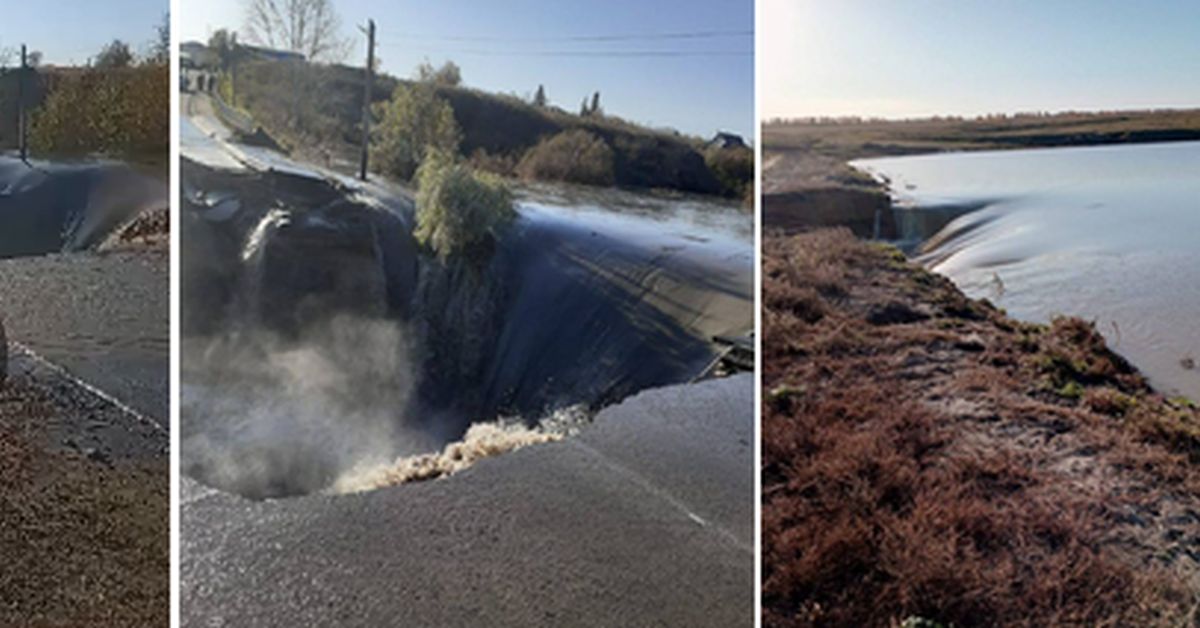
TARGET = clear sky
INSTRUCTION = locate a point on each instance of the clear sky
(921, 57)
(503, 46)
(71, 31)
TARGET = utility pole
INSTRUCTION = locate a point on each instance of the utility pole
(366, 112)
(22, 140)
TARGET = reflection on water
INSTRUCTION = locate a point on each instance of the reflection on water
(1105, 233)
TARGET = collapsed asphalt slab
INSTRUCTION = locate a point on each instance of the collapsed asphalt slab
(644, 518)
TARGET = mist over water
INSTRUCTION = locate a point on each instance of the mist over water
(1110, 234)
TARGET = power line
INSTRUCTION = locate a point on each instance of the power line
(574, 53)
(713, 34)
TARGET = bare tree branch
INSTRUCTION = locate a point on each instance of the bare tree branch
(309, 27)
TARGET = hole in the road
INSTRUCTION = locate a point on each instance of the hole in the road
(325, 352)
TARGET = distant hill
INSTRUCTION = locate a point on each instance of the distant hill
(497, 129)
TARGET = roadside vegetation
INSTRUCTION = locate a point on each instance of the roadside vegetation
(928, 461)
(118, 106)
(575, 156)
(459, 211)
(505, 134)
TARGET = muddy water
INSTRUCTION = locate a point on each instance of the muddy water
(1105, 233)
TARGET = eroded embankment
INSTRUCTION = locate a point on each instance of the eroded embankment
(320, 338)
(926, 456)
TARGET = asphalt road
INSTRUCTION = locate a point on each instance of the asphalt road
(644, 519)
(102, 317)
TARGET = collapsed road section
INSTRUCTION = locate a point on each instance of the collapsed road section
(331, 359)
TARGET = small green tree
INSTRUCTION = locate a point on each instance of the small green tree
(539, 99)
(458, 210)
(415, 121)
(595, 108)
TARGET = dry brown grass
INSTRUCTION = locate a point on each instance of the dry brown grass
(921, 460)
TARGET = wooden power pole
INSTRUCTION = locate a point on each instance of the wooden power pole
(366, 112)
(22, 139)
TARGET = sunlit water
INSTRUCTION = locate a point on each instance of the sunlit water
(1111, 234)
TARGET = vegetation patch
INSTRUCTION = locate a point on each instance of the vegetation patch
(923, 472)
(459, 211)
(123, 111)
(414, 123)
(575, 156)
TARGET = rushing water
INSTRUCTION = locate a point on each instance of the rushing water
(1111, 234)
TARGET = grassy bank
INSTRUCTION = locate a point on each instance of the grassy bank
(925, 456)
(499, 133)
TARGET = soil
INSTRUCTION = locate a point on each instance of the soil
(926, 456)
(83, 525)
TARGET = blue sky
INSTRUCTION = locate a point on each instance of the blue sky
(695, 94)
(71, 31)
(920, 57)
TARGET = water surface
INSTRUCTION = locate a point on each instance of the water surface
(1110, 234)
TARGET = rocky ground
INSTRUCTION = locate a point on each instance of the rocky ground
(925, 456)
(83, 516)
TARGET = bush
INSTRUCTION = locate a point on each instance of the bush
(576, 156)
(458, 211)
(122, 111)
(734, 168)
(414, 122)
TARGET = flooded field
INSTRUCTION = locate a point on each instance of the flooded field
(1105, 233)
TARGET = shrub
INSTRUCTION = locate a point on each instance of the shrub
(458, 211)
(117, 111)
(413, 123)
(734, 168)
(576, 156)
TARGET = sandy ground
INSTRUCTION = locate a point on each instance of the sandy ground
(646, 519)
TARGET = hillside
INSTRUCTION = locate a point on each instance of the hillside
(497, 130)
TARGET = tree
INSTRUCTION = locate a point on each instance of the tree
(595, 108)
(309, 27)
(33, 59)
(583, 108)
(223, 43)
(539, 99)
(160, 50)
(115, 55)
(415, 122)
(449, 75)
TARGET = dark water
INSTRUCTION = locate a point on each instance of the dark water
(586, 298)
(1111, 234)
(62, 207)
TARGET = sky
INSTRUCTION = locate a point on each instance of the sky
(504, 47)
(69, 32)
(911, 58)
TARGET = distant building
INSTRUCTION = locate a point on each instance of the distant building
(726, 140)
(272, 54)
(193, 54)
